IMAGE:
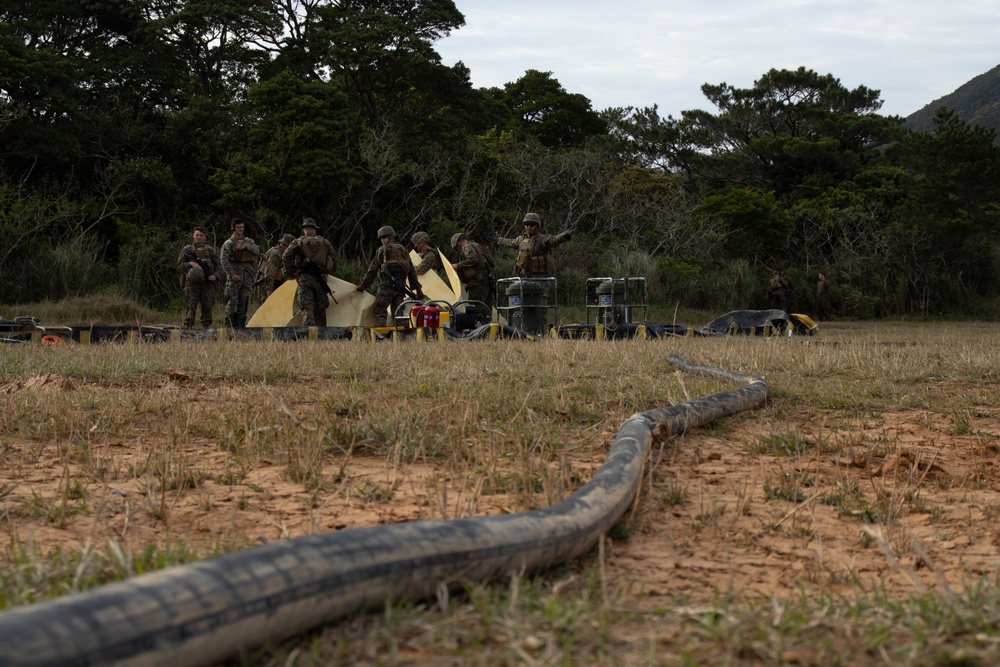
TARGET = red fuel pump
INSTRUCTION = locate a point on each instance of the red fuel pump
(432, 317)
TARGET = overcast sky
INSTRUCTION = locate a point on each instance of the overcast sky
(645, 52)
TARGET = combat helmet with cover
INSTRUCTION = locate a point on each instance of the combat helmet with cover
(420, 237)
(455, 238)
(386, 230)
(533, 218)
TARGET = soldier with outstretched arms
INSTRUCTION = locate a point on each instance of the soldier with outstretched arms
(534, 250)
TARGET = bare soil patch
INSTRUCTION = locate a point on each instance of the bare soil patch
(758, 505)
(917, 512)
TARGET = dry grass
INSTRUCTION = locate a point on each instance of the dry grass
(135, 456)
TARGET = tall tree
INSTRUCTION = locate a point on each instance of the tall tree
(955, 197)
(377, 47)
(793, 133)
(542, 109)
(293, 154)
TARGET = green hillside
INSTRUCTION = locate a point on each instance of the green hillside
(977, 102)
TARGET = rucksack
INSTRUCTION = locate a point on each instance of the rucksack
(487, 256)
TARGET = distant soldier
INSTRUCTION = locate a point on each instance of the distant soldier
(789, 288)
(776, 292)
(534, 250)
(822, 298)
(393, 266)
(474, 269)
(239, 256)
(429, 258)
(309, 259)
(202, 271)
(271, 275)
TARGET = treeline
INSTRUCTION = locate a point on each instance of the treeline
(125, 123)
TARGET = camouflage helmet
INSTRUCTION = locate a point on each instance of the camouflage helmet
(386, 230)
(309, 222)
(533, 217)
(420, 237)
(196, 274)
(455, 238)
(286, 239)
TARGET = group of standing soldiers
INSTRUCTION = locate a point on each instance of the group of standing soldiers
(202, 269)
(780, 289)
(309, 258)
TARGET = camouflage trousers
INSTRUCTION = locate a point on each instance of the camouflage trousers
(312, 300)
(822, 307)
(196, 294)
(387, 299)
(237, 296)
(480, 291)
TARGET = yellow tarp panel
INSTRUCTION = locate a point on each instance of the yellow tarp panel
(806, 321)
(352, 308)
(456, 285)
(433, 285)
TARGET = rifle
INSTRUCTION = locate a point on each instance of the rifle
(204, 267)
(312, 268)
(399, 284)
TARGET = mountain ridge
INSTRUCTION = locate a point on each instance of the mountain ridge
(977, 102)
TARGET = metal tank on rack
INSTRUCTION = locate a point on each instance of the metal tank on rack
(617, 301)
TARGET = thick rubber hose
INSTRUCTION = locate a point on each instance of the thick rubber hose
(211, 610)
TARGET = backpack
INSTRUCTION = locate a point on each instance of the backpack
(487, 256)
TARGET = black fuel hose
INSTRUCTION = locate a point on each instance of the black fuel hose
(205, 612)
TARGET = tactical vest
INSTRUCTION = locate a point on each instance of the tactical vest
(241, 256)
(529, 263)
(397, 260)
(315, 249)
(204, 253)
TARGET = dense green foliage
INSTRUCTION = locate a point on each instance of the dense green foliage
(125, 124)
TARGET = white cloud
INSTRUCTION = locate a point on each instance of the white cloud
(645, 52)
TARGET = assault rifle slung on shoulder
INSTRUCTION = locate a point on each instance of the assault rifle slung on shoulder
(399, 284)
(313, 269)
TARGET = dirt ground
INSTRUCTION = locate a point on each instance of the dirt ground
(902, 501)
(915, 512)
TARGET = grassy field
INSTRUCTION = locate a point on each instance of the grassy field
(853, 520)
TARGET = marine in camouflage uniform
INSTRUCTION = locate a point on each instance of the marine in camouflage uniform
(474, 270)
(822, 298)
(776, 291)
(239, 257)
(429, 258)
(271, 273)
(534, 250)
(789, 288)
(309, 259)
(397, 262)
(199, 284)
